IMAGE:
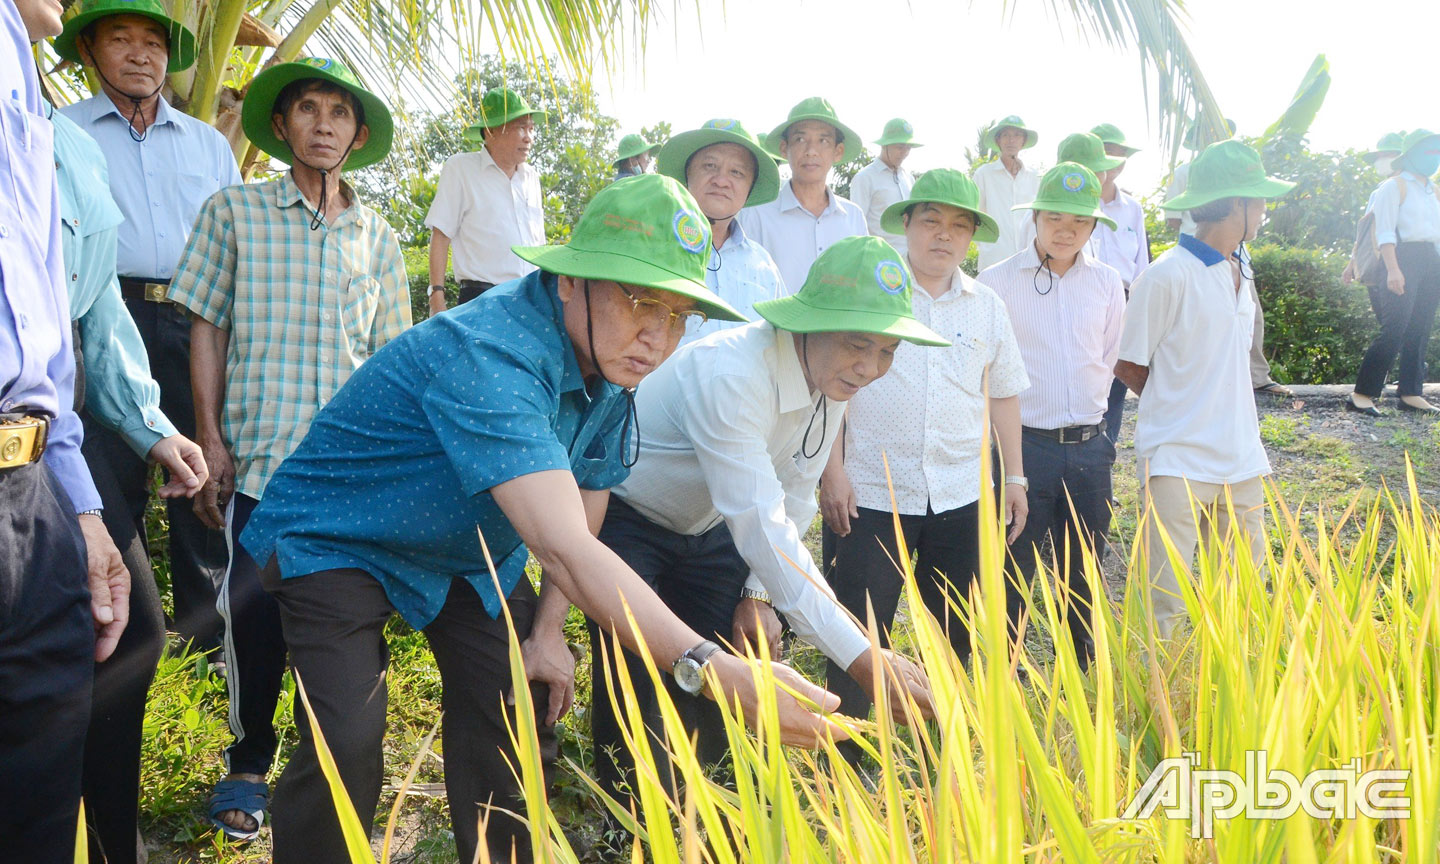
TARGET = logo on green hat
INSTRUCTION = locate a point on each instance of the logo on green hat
(317, 62)
(1073, 182)
(720, 124)
(906, 127)
(689, 232)
(890, 276)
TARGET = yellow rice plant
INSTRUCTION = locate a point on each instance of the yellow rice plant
(1323, 659)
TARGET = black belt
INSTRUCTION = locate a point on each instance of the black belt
(1069, 434)
(477, 285)
(152, 290)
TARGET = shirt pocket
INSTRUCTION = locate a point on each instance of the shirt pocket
(966, 363)
(362, 302)
(187, 193)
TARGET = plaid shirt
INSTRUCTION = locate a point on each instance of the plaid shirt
(303, 309)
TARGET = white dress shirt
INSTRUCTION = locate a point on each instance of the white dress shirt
(1069, 335)
(484, 213)
(927, 414)
(722, 427)
(743, 274)
(1417, 219)
(1124, 247)
(159, 183)
(795, 237)
(874, 188)
(1178, 181)
(999, 191)
(1189, 325)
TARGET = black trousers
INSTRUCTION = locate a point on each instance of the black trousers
(334, 625)
(1069, 497)
(47, 664)
(947, 548)
(254, 652)
(1115, 410)
(197, 553)
(470, 289)
(1405, 323)
(699, 578)
(122, 683)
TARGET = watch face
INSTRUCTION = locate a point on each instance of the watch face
(687, 675)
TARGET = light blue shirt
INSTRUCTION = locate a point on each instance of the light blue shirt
(159, 183)
(795, 237)
(1416, 219)
(119, 391)
(743, 274)
(37, 362)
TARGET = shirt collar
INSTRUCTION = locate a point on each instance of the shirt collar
(288, 194)
(164, 114)
(788, 201)
(959, 284)
(790, 375)
(1208, 255)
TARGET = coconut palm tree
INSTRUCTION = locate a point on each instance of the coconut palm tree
(414, 50)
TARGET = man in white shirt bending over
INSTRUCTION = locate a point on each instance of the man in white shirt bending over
(1185, 349)
(734, 432)
(487, 201)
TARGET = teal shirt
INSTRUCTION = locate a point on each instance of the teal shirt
(394, 475)
(119, 391)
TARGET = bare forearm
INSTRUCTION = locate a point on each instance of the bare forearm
(1005, 417)
(208, 345)
(439, 256)
(1132, 375)
(1387, 254)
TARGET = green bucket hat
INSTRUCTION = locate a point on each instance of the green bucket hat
(898, 131)
(678, 150)
(1390, 142)
(1087, 149)
(1109, 133)
(1070, 188)
(499, 106)
(633, 145)
(859, 284)
(1413, 140)
(1192, 136)
(943, 186)
(1227, 169)
(815, 108)
(182, 41)
(260, 98)
(644, 230)
(1031, 136)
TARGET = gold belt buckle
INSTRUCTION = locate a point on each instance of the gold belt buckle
(155, 292)
(23, 441)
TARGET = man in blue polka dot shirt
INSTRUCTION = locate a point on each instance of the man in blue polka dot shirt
(511, 415)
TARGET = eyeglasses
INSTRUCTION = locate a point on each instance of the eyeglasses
(653, 313)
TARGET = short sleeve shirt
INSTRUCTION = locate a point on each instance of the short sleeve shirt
(484, 212)
(394, 475)
(926, 415)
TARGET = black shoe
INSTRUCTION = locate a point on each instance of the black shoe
(1406, 406)
(1371, 411)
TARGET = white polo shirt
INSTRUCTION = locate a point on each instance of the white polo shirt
(873, 189)
(927, 414)
(1189, 325)
(722, 427)
(999, 191)
(1068, 332)
(484, 213)
(795, 237)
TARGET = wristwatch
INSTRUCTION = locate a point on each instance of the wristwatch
(748, 593)
(434, 288)
(689, 670)
(1018, 480)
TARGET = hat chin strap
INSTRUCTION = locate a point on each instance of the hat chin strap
(632, 417)
(318, 218)
(820, 407)
(138, 102)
